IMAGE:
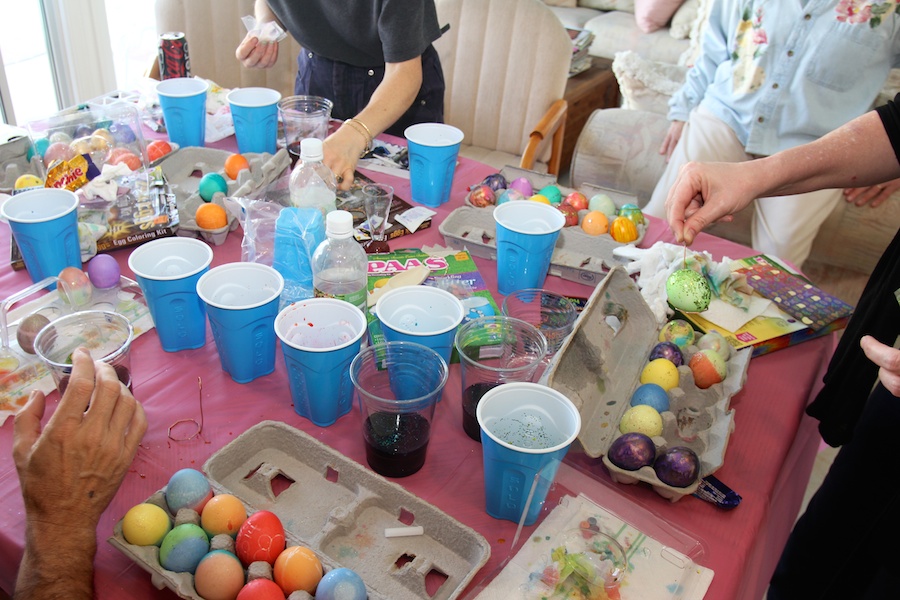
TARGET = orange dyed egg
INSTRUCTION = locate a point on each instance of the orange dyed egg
(234, 164)
(623, 230)
(297, 568)
(211, 216)
(595, 223)
(223, 514)
(708, 367)
(124, 155)
(157, 149)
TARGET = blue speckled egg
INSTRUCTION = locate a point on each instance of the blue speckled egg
(210, 184)
(188, 488)
(183, 548)
(652, 395)
(341, 584)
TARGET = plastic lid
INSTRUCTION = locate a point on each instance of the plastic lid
(339, 224)
(311, 149)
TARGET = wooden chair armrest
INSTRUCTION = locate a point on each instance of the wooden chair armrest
(552, 123)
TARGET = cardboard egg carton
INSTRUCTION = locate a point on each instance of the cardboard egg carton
(599, 365)
(578, 256)
(337, 508)
(185, 167)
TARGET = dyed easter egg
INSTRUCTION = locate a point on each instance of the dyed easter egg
(261, 537)
(713, 340)
(57, 151)
(223, 513)
(188, 488)
(183, 548)
(652, 395)
(708, 367)
(341, 584)
(578, 200)
(631, 451)
(688, 291)
(523, 186)
(83, 130)
(569, 213)
(595, 223)
(157, 149)
(123, 156)
(74, 286)
(40, 146)
(60, 137)
(495, 181)
(104, 272)
(679, 332)
(28, 180)
(297, 568)
(145, 525)
(122, 133)
(669, 351)
(540, 198)
(28, 330)
(509, 195)
(678, 466)
(219, 576)
(641, 419)
(234, 164)
(481, 196)
(261, 589)
(662, 372)
(210, 184)
(632, 213)
(623, 230)
(104, 133)
(551, 193)
(604, 204)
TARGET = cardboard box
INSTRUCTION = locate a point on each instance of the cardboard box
(599, 365)
(337, 508)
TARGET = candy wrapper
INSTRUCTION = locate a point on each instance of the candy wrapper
(267, 33)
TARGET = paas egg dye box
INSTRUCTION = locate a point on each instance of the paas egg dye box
(598, 368)
(338, 509)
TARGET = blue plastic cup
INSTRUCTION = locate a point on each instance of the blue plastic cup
(319, 337)
(398, 384)
(526, 430)
(526, 236)
(241, 303)
(433, 148)
(183, 102)
(422, 314)
(254, 111)
(167, 270)
(44, 222)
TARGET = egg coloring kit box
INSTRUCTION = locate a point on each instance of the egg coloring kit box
(338, 509)
(599, 366)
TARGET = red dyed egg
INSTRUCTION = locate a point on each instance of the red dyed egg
(570, 213)
(261, 537)
(261, 589)
(578, 200)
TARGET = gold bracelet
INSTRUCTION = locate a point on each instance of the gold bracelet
(367, 135)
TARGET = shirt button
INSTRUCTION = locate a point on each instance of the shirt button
(790, 52)
(309, 54)
(807, 17)
(760, 119)
(774, 86)
(371, 72)
(421, 103)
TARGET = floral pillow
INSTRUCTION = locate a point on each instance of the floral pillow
(651, 15)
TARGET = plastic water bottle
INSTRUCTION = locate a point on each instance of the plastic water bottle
(312, 184)
(340, 266)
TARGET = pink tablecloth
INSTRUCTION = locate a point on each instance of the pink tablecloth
(768, 460)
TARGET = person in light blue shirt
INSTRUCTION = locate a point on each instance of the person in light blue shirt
(772, 75)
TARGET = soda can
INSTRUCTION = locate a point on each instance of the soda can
(174, 60)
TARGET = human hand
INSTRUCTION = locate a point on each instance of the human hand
(70, 471)
(874, 195)
(887, 358)
(342, 150)
(254, 54)
(671, 139)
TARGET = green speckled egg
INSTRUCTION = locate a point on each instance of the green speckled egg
(688, 291)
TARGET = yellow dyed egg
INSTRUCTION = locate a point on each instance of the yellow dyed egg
(145, 525)
(540, 198)
(641, 419)
(662, 372)
(623, 230)
(28, 181)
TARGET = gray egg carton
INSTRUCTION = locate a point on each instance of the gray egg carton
(185, 167)
(331, 504)
(578, 256)
(599, 365)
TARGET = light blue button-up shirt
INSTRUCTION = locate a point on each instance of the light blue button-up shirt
(782, 73)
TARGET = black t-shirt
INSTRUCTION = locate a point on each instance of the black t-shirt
(363, 33)
(890, 117)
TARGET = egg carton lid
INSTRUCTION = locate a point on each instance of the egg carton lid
(598, 367)
(330, 503)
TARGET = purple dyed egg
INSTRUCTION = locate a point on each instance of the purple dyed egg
(122, 133)
(631, 451)
(678, 467)
(495, 181)
(668, 350)
(522, 186)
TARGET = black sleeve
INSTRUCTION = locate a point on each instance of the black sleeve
(890, 117)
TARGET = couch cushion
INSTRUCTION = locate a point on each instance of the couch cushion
(565, 3)
(626, 5)
(646, 84)
(617, 31)
(683, 19)
(574, 17)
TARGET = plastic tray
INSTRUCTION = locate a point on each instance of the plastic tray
(337, 508)
(598, 367)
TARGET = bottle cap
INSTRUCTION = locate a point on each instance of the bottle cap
(311, 149)
(339, 224)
